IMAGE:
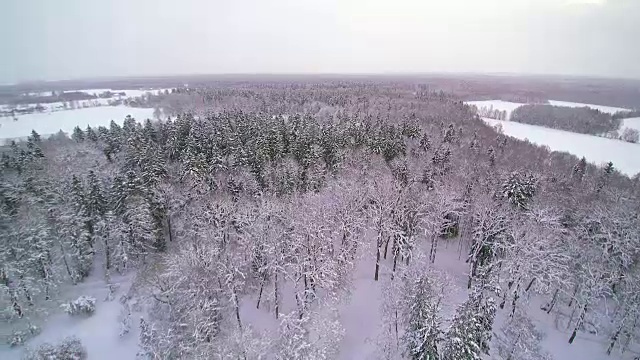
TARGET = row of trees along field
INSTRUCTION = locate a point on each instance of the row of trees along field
(264, 208)
(575, 119)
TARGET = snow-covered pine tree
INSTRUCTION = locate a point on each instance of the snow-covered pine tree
(421, 303)
(519, 339)
(78, 134)
(95, 200)
(35, 137)
(91, 134)
(519, 188)
(470, 332)
(80, 230)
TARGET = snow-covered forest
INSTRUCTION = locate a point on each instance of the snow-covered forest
(353, 220)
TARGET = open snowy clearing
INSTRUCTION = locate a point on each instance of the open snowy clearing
(496, 105)
(60, 105)
(51, 123)
(633, 123)
(595, 149)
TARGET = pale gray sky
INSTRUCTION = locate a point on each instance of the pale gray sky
(62, 39)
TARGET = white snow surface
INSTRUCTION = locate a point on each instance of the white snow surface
(99, 333)
(601, 108)
(497, 105)
(633, 123)
(360, 315)
(51, 123)
(625, 156)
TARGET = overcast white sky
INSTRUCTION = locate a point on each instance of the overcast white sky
(62, 39)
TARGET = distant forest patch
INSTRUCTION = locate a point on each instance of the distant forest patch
(580, 120)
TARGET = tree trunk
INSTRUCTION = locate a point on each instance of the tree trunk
(552, 303)
(614, 338)
(395, 263)
(516, 296)
(66, 264)
(629, 334)
(513, 348)
(275, 290)
(264, 278)
(386, 247)
(107, 255)
(375, 276)
(530, 284)
(169, 228)
(575, 291)
(578, 324)
(434, 248)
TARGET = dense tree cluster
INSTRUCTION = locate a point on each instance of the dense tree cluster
(269, 201)
(581, 120)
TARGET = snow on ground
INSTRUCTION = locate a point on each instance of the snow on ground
(360, 314)
(601, 108)
(598, 150)
(51, 123)
(59, 105)
(141, 92)
(633, 123)
(44, 93)
(128, 92)
(95, 92)
(99, 333)
(496, 105)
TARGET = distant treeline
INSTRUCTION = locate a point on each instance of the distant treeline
(626, 114)
(580, 120)
(60, 96)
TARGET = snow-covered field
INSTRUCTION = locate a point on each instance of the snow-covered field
(496, 105)
(72, 105)
(633, 123)
(625, 156)
(51, 123)
(60, 106)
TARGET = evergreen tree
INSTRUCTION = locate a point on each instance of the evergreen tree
(425, 143)
(492, 156)
(470, 333)
(35, 137)
(33, 147)
(78, 134)
(449, 134)
(80, 230)
(423, 331)
(520, 340)
(96, 203)
(128, 126)
(519, 189)
(91, 134)
(579, 169)
(604, 178)
(149, 131)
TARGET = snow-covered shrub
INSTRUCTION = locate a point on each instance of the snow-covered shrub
(19, 337)
(68, 349)
(125, 319)
(113, 288)
(84, 305)
(630, 135)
